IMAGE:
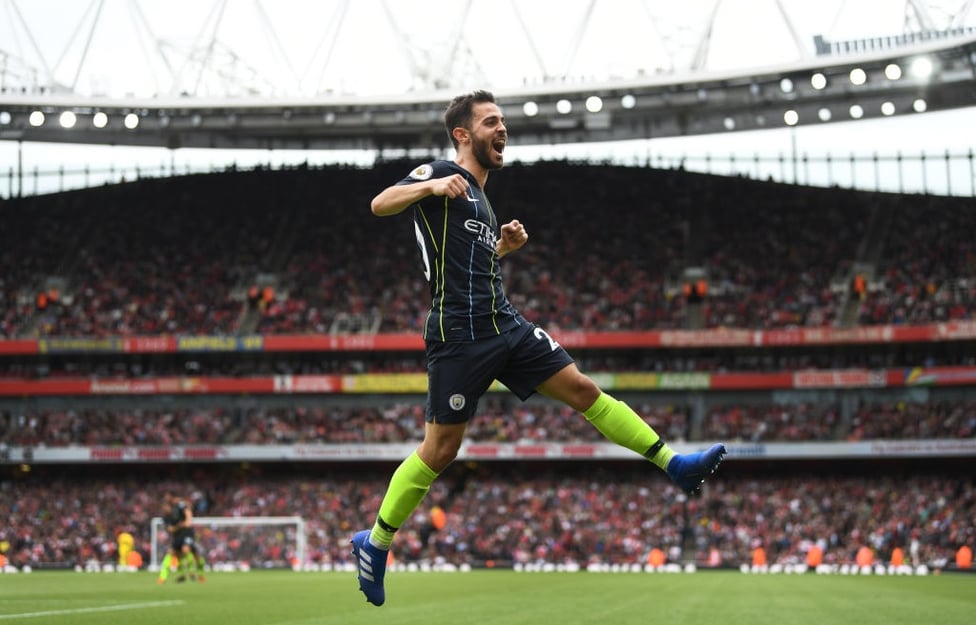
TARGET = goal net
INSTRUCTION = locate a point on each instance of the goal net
(240, 543)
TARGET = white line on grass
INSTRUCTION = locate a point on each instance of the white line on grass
(107, 608)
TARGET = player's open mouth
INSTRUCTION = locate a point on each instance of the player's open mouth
(499, 146)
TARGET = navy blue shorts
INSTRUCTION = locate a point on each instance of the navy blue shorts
(185, 536)
(459, 373)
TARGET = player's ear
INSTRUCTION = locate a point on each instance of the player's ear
(461, 134)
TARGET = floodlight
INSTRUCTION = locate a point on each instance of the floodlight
(594, 104)
(564, 106)
(99, 120)
(67, 119)
(922, 67)
(858, 76)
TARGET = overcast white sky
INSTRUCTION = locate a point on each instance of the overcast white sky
(367, 47)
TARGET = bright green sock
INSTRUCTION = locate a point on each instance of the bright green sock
(193, 565)
(408, 487)
(164, 567)
(621, 425)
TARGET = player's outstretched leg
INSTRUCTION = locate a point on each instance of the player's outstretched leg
(189, 565)
(371, 562)
(689, 471)
(201, 564)
(181, 568)
(164, 568)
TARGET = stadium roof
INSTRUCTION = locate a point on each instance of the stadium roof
(376, 73)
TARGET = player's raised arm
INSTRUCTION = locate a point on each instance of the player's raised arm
(393, 200)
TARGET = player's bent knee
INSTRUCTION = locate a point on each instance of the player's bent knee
(440, 458)
(583, 392)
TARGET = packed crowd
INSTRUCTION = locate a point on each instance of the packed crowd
(319, 423)
(495, 421)
(807, 421)
(622, 289)
(928, 517)
(143, 260)
(506, 514)
(918, 288)
(177, 256)
(907, 420)
(772, 255)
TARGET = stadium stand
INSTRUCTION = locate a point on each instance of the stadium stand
(194, 246)
(257, 423)
(166, 333)
(509, 513)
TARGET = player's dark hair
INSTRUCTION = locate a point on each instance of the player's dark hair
(459, 111)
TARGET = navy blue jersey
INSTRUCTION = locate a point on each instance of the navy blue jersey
(177, 513)
(457, 240)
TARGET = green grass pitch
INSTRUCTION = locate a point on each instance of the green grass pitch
(488, 598)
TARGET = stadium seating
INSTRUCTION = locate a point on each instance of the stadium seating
(180, 254)
(612, 514)
(296, 252)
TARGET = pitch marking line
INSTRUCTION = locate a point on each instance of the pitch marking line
(107, 608)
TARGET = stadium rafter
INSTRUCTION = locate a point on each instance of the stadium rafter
(208, 94)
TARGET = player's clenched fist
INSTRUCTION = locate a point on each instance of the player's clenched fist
(514, 236)
(451, 186)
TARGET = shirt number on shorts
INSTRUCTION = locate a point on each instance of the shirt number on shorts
(542, 334)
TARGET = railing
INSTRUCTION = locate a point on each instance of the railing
(878, 44)
(938, 173)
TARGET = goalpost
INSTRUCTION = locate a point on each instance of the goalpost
(241, 542)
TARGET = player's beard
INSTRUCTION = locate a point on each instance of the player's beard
(484, 153)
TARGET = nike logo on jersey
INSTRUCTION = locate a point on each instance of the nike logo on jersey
(471, 199)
